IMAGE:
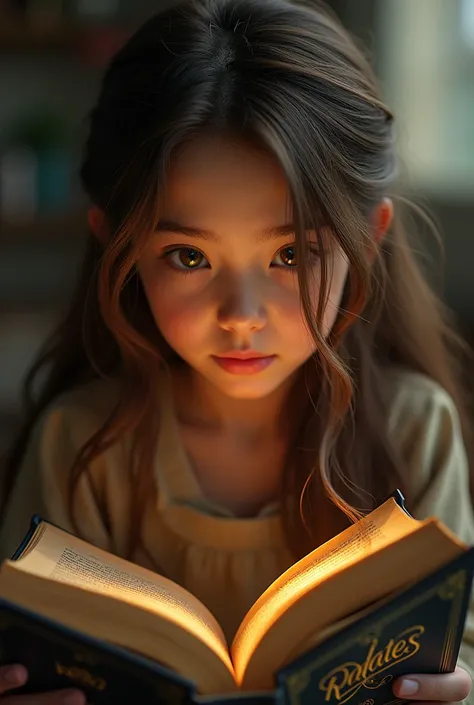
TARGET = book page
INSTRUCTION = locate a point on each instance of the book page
(61, 557)
(380, 528)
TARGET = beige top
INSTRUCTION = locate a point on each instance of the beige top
(225, 561)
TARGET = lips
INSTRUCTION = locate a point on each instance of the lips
(243, 355)
(248, 362)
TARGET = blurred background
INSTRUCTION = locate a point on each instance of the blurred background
(52, 55)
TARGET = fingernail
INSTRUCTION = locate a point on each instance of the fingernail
(16, 675)
(408, 687)
(74, 698)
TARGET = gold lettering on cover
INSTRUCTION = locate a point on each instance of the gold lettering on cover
(81, 675)
(340, 684)
(413, 638)
(377, 662)
(388, 650)
(368, 660)
(399, 649)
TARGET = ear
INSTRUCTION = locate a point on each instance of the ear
(98, 223)
(382, 217)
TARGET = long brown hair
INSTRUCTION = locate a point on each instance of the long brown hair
(288, 76)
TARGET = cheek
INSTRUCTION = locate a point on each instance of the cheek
(176, 323)
(179, 315)
(291, 312)
(289, 319)
(338, 283)
(181, 321)
(337, 278)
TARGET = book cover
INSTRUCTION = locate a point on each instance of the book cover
(418, 631)
(57, 657)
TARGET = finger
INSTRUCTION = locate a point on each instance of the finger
(12, 677)
(56, 697)
(446, 687)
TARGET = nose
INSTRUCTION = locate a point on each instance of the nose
(242, 309)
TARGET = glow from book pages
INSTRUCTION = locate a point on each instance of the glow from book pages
(386, 525)
(93, 570)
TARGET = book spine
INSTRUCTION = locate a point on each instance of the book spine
(34, 523)
(240, 698)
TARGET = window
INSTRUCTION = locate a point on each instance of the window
(426, 57)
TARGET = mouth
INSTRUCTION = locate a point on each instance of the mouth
(242, 355)
(247, 362)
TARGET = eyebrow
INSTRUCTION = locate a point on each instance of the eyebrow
(171, 226)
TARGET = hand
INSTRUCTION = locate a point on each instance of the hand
(436, 688)
(12, 677)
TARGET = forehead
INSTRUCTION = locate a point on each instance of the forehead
(216, 177)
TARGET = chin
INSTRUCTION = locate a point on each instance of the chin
(248, 389)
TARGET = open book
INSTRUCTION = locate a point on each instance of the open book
(64, 579)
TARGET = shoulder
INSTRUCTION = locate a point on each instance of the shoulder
(415, 400)
(68, 423)
(83, 410)
(43, 482)
(425, 430)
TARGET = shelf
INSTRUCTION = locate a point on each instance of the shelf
(20, 37)
(70, 226)
(93, 43)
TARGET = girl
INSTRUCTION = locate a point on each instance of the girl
(252, 358)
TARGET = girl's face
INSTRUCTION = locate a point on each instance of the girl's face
(220, 272)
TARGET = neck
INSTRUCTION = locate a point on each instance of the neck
(200, 403)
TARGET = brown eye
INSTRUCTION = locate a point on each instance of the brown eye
(186, 259)
(287, 257)
(191, 259)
